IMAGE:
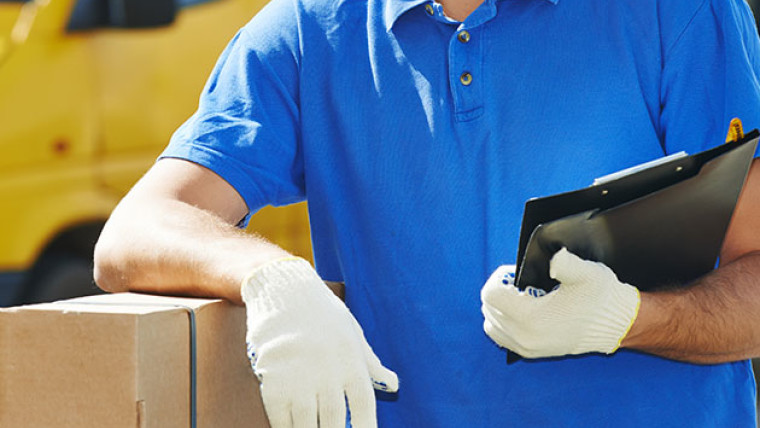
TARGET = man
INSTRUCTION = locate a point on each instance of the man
(416, 130)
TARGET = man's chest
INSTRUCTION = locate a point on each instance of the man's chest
(530, 91)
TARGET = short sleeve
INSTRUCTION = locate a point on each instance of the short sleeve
(710, 73)
(246, 128)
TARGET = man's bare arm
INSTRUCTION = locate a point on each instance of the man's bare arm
(716, 319)
(175, 233)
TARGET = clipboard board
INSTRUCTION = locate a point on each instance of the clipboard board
(660, 226)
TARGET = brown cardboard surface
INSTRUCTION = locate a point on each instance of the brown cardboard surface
(122, 360)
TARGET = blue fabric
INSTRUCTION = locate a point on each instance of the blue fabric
(416, 183)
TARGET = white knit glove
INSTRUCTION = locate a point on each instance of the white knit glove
(590, 310)
(308, 351)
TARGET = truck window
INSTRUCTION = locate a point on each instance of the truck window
(90, 14)
(188, 3)
(755, 6)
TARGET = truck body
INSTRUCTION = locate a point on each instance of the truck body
(90, 93)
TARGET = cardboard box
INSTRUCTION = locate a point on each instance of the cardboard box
(124, 360)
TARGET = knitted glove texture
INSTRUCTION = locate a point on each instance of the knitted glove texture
(590, 310)
(308, 351)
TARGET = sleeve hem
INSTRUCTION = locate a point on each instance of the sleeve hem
(220, 165)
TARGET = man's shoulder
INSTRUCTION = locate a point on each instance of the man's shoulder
(332, 10)
(676, 17)
(305, 17)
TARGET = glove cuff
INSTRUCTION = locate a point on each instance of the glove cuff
(614, 322)
(285, 275)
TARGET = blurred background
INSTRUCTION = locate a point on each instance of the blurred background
(90, 92)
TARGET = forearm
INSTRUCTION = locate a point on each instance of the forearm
(714, 320)
(171, 247)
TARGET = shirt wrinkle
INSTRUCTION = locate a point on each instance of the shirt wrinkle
(683, 31)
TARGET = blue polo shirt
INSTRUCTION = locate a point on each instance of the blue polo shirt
(416, 141)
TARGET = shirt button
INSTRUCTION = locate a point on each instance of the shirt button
(429, 9)
(464, 36)
(466, 78)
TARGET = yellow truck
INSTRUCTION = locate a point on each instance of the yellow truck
(90, 92)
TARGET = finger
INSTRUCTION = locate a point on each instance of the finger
(503, 274)
(489, 290)
(567, 268)
(332, 409)
(500, 337)
(499, 326)
(383, 379)
(494, 314)
(496, 290)
(506, 301)
(494, 332)
(304, 413)
(361, 405)
(277, 408)
(505, 327)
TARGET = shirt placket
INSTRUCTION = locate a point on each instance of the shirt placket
(466, 72)
(465, 58)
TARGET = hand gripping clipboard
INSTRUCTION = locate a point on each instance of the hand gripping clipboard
(657, 227)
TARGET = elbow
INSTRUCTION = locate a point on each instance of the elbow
(108, 261)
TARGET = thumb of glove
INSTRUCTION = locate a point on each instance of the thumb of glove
(567, 268)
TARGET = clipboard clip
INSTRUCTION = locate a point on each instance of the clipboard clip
(735, 130)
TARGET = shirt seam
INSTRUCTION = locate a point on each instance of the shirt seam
(686, 27)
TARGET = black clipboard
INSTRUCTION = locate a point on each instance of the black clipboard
(658, 227)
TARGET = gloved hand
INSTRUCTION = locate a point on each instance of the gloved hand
(308, 351)
(590, 310)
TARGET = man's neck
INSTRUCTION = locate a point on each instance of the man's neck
(459, 9)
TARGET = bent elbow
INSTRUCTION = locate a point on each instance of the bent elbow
(107, 262)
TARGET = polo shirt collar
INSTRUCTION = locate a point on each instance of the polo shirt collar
(395, 8)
